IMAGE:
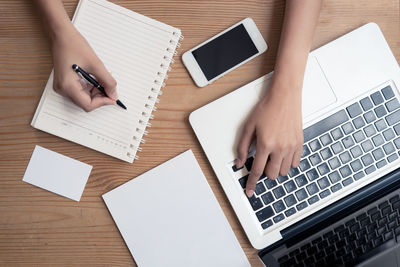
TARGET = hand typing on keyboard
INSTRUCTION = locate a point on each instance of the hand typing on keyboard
(276, 123)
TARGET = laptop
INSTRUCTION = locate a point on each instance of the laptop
(341, 205)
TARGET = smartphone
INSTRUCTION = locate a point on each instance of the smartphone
(224, 52)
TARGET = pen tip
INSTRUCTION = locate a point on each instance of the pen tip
(119, 103)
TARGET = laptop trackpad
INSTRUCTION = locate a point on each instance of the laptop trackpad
(389, 257)
(317, 93)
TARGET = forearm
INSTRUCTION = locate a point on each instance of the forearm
(301, 17)
(55, 19)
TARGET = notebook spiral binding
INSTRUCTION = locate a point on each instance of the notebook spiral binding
(153, 98)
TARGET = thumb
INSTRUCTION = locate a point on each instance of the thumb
(105, 79)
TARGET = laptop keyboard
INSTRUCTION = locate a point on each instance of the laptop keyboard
(358, 235)
(339, 150)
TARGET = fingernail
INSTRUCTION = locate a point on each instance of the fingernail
(250, 192)
(237, 163)
(114, 95)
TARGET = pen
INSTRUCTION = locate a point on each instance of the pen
(95, 83)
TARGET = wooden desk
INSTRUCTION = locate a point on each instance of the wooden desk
(38, 228)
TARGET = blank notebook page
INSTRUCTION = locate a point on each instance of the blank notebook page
(137, 51)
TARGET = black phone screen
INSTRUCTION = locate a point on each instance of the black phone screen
(225, 52)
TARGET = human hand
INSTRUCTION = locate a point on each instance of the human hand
(276, 123)
(70, 47)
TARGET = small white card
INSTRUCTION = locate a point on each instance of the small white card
(57, 173)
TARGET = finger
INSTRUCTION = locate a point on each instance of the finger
(286, 163)
(75, 92)
(256, 170)
(105, 79)
(244, 145)
(297, 156)
(273, 165)
(100, 100)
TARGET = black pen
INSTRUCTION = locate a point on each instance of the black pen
(95, 83)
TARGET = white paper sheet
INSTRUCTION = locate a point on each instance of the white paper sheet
(57, 173)
(169, 216)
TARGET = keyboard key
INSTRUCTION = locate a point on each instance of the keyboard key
(236, 169)
(348, 141)
(260, 188)
(369, 130)
(313, 200)
(347, 181)
(389, 148)
(323, 169)
(335, 163)
(358, 175)
(315, 159)
(387, 92)
(354, 110)
(282, 179)
(358, 122)
(370, 169)
(356, 151)
(337, 133)
(314, 145)
(397, 142)
(323, 183)
(304, 165)
(356, 165)
(325, 125)
(377, 98)
(345, 171)
(326, 139)
(312, 174)
(392, 105)
(279, 218)
(366, 103)
(278, 192)
(369, 116)
(378, 154)
(278, 206)
(378, 140)
(337, 147)
(305, 152)
(290, 212)
(367, 160)
(381, 163)
(324, 194)
(270, 183)
(266, 224)
(265, 213)
(347, 128)
(312, 189)
(243, 181)
(345, 157)
(388, 134)
(326, 153)
(397, 129)
(267, 198)
(290, 200)
(301, 180)
(392, 157)
(358, 137)
(380, 125)
(249, 163)
(301, 194)
(334, 177)
(336, 187)
(255, 202)
(293, 172)
(367, 146)
(393, 118)
(302, 206)
(380, 111)
(290, 186)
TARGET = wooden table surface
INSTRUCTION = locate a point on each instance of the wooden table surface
(38, 228)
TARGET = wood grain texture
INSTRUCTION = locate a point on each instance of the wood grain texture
(38, 228)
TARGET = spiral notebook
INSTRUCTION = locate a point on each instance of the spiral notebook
(138, 51)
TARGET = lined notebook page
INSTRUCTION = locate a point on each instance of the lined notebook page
(137, 51)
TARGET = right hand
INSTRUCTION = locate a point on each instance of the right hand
(70, 47)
